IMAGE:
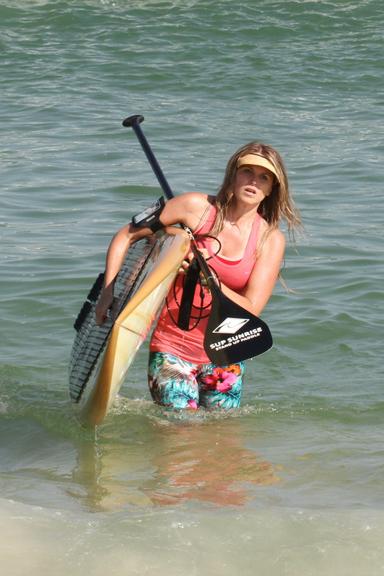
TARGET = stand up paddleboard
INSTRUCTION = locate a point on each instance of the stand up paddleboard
(101, 355)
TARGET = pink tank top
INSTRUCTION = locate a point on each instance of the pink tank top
(188, 345)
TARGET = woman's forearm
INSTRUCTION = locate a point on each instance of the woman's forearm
(118, 248)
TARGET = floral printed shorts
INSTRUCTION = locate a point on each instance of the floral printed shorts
(177, 383)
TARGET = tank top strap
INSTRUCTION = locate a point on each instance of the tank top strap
(207, 220)
(250, 248)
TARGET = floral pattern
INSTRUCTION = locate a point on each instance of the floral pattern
(180, 384)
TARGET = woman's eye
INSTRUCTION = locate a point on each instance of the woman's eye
(263, 177)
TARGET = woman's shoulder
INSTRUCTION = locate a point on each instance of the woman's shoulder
(187, 208)
(271, 236)
(196, 207)
(195, 200)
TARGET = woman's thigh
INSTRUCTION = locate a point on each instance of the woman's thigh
(221, 386)
(172, 381)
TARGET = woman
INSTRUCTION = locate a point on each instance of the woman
(245, 249)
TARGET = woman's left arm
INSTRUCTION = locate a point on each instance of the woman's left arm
(264, 275)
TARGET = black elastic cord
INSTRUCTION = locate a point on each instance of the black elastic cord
(202, 236)
(185, 308)
(191, 280)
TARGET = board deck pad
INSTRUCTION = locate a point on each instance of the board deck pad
(90, 338)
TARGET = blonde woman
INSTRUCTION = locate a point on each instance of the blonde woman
(238, 231)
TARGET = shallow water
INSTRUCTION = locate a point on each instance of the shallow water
(292, 483)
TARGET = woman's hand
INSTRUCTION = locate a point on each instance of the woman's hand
(186, 263)
(104, 304)
(189, 257)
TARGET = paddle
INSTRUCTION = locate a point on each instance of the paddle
(233, 334)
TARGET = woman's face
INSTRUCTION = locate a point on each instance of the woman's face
(253, 184)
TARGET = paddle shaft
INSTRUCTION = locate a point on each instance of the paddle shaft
(134, 123)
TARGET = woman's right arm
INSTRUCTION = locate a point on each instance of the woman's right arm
(117, 250)
(186, 209)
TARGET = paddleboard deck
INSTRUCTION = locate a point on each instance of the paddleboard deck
(102, 355)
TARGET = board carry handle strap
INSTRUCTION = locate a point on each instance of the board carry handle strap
(233, 334)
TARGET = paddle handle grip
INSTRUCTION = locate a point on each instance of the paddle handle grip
(134, 123)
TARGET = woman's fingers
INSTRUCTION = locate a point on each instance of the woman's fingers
(102, 307)
(188, 259)
(186, 262)
(184, 266)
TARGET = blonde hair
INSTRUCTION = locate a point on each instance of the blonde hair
(275, 207)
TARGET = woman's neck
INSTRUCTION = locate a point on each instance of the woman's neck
(240, 216)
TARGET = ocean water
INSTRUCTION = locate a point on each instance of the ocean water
(292, 484)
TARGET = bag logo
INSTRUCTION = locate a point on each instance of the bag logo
(230, 325)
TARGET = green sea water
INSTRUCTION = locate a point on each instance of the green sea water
(292, 484)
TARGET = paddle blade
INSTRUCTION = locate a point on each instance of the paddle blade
(234, 334)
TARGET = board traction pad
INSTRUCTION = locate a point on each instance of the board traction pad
(91, 339)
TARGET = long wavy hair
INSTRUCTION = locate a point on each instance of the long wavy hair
(275, 207)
